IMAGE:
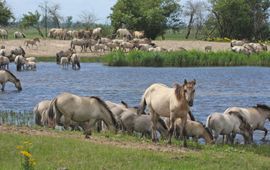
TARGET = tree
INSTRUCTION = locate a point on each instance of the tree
(55, 15)
(68, 22)
(194, 10)
(88, 19)
(5, 13)
(150, 16)
(32, 20)
(242, 18)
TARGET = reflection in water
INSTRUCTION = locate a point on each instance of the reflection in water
(217, 88)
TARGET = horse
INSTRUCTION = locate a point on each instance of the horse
(75, 60)
(78, 42)
(208, 48)
(138, 34)
(97, 33)
(6, 76)
(194, 129)
(19, 61)
(18, 34)
(255, 116)
(61, 54)
(31, 42)
(15, 52)
(168, 102)
(39, 111)
(225, 124)
(64, 62)
(4, 62)
(30, 65)
(88, 110)
(3, 34)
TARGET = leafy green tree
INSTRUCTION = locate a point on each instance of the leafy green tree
(242, 18)
(5, 13)
(150, 16)
(32, 20)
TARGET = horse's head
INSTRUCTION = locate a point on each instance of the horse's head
(189, 90)
(18, 84)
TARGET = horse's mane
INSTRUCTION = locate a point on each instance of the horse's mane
(177, 91)
(191, 116)
(208, 131)
(163, 124)
(107, 108)
(242, 119)
(11, 74)
(262, 106)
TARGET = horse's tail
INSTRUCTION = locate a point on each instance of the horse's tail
(51, 109)
(142, 104)
(208, 122)
(105, 108)
(37, 115)
(163, 124)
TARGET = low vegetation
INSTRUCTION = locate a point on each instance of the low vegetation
(186, 59)
(71, 150)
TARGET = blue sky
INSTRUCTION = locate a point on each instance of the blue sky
(100, 8)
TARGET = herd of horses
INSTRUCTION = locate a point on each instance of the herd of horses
(162, 112)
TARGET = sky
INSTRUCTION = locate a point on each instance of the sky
(100, 8)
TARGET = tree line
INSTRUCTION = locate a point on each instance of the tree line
(234, 19)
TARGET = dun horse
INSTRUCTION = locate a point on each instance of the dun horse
(86, 110)
(255, 116)
(168, 102)
(6, 76)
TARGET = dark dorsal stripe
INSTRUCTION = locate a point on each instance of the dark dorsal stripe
(262, 106)
(107, 108)
(12, 75)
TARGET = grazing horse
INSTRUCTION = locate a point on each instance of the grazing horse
(86, 110)
(255, 116)
(227, 124)
(3, 34)
(19, 61)
(194, 129)
(4, 62)
(75, 60)
(40, 112)
(168, 102)
(6, 76)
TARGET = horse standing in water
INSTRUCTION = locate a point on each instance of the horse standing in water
(6, 76)
(87, 110)
(168, 102)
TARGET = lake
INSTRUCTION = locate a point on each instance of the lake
(217, 88)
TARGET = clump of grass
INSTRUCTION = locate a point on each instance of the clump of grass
(16, 118)
(185, 59)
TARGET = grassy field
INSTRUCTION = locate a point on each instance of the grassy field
(63, 150)
(186, 59)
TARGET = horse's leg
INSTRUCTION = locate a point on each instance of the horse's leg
(3, 86)
(87, 128)
(171, 129)
(265, 132)
(154, 125)
(184, 122)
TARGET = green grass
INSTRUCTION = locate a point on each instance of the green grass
(53, 152)
(186, 59)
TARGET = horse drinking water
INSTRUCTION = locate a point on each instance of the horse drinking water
(168, 102)
(6, 76)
